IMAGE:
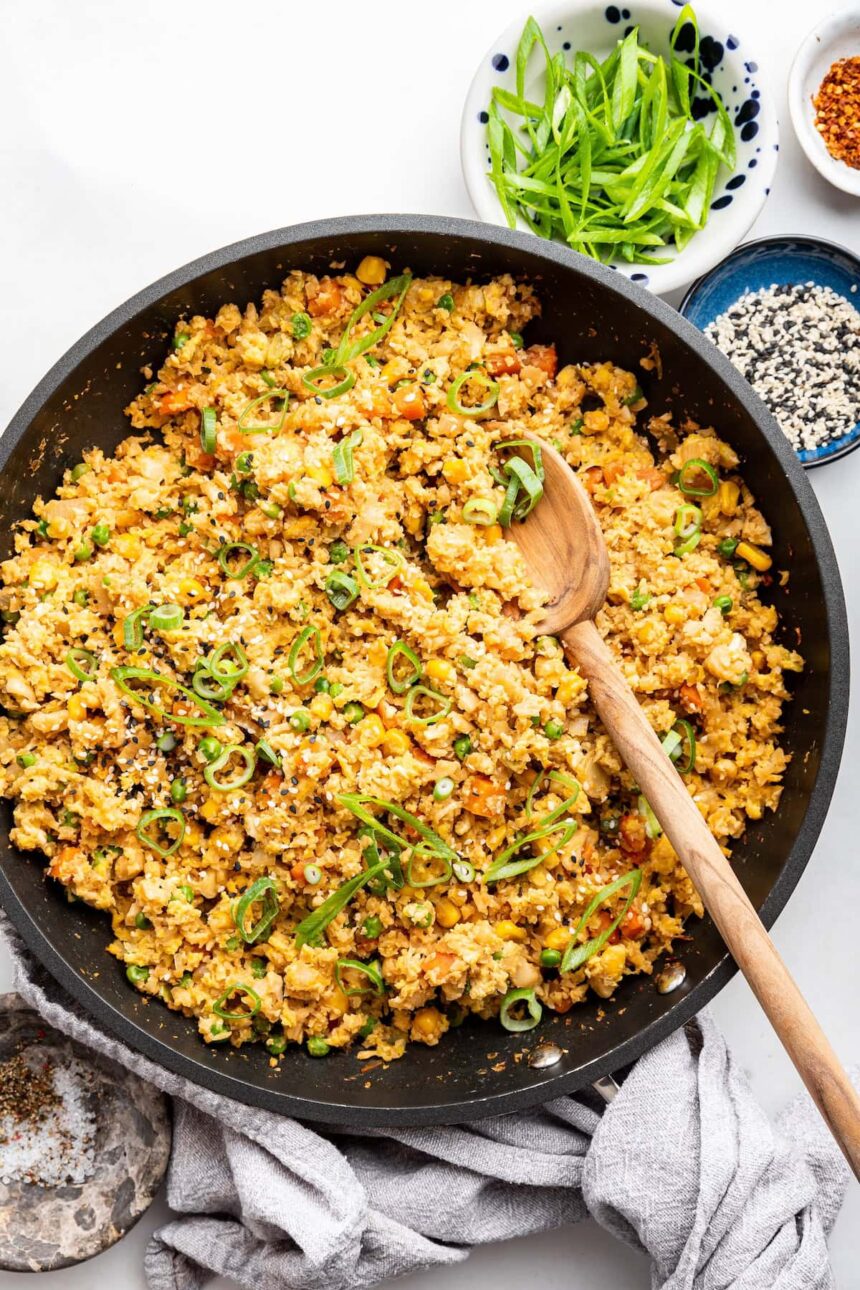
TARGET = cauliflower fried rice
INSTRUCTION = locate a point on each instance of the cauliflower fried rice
(275, 697)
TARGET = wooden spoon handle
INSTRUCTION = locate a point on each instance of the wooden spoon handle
(719, 888)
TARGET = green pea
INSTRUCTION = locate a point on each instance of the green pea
(300, 720)
(727, 547)
(550, 958)
(26, 760)
(178, 791)
(335, 689)
(84, 552)
(142, 923)
(81, 597)
(317, 1047)
(322, 685)
(724, 604)
(338, 552)
(553, 729)
(353, 712)
(259, 967)
(372, 927)
(276, 685)
(233, 943)
(100, 534)
(276, 1045)
(446, 301)
(166, 742)
(136, 974)
(368, 1028)
(244, 463)
(462, 747)
(210, 748)
(78, 471)
(300, 326)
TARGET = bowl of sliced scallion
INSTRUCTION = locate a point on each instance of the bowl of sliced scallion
(641, 136)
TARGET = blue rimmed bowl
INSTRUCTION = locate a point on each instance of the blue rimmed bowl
(779, 261)
(731, 65)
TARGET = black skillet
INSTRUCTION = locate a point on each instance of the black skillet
(591, 313)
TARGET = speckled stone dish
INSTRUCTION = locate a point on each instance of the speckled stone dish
(45, 1228)
(730, 64)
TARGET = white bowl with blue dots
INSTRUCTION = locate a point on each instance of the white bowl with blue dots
(734, 71)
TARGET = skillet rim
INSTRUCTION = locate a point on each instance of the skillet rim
(543, 1088)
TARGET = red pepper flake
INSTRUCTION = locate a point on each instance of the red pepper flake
(837, 108)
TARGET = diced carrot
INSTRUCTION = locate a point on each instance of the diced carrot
(612, 471)
(542, 356)
(604, 919)
(506, 363)
(632, 834)
(298, 871)
(380, 402)
(172, 402)
(691, 698)
(440, 963)
(653, 477)
(409, 402)
(418, 751)
(633, 925)
(484, 798)
(326, 299)
(703, 585)
(197, 458)
(231, 441)
(591, 479)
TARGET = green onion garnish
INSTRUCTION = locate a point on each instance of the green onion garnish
(426, 868)
(266, 752)
(254, 1002)
(533, 1010)
(473, 377)
(246, 755)
(165, 813)
(446, 301)
(311, 928)
(357, 804)
(336, 364)
(464, 870)
(132, 627)
(122, 675)
(673, 745)
(204, 684)
(480, 510)
(688, 528)
(690, 479)
(613, 160)
(344, 467)
(443, 705)
(400, 683)
(639, 598)
(228, 663)
(341, 589)
(166, 618)
(271, 427)
(264, 891)
(208, 430)
(225, 556)
(344, 380)
(578, 953)
(308, 635)
(372, 971)
(509, 864)
(394, 559)
(82, 663)
(653, 827)
(555, 777)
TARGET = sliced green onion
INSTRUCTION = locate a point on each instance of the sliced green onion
(400, 684)
(82, 663)
(166, 618)
(137, 974)
(300, 326)
(308, 635)
(343, 377)
(348, 349)
(245, 754)
(555, 777)
(254, 1002)
(310, 929)
(205, 684)
(395, 559)
(690, 482)
(443, 702)
(530, 446)
(443, 789)
(506, 511)
(427, 868)
(132, 627)
(653, 827)
(266, 752)
(244, 426)
(463, 870)
(228, 664)
(578, 953)
(480, 510)
(473, 377)
(344, 467)
(312, 875)
(727, 547)
(208, 430)
(341, 589)
(639, 599)
(372, 971)
(688, 528)
(122, 675)
(686, 733)
(77, 472)
(510, 864)
(353, 712)
(165, 813)
(262, 891)
(225, 556)
(533, 1008)
(529, 483)
(446, 301)
(357, 803)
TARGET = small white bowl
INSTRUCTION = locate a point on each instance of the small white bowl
(596, 27)
(831, 39)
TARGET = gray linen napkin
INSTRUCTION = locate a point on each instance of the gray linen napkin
(682, 1164)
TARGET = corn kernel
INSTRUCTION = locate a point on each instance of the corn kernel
(455, 470)
(497, 836)
(396, 743)
(191, 588)
(758, 658)
(447, 913)
(58, 528)
(372, 271)
(727, 497)
(675, 614)
(427, 1024)
(754, 556)
(557, 939)
(193, 835)
(127, 545)
(423, 589)
(321, 707)
(370, 730)
(509, 931)
(337, 1001)
(439, 669)
(43, 575)
(570, 687)
(320, 475)
(492, 534)
(394, 370)
(210, 810)
(76, 707)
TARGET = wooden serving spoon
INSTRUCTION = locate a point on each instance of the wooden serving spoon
(565, 553)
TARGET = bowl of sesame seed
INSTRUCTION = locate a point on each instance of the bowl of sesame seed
(786, 311)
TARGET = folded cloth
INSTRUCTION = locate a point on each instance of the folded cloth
(683, 1165)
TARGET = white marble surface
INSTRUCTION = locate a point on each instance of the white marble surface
(138, 136)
